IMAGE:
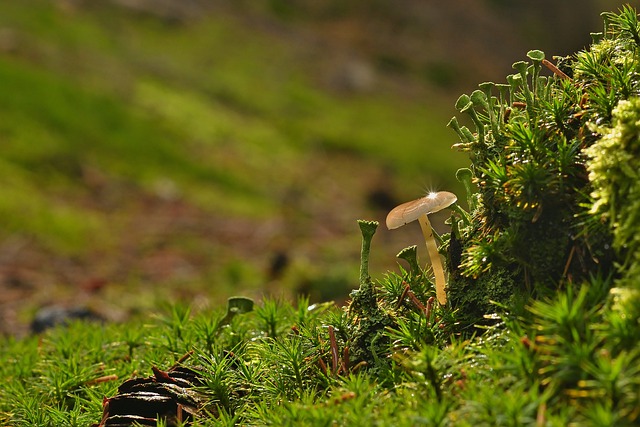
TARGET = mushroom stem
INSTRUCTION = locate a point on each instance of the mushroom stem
(436, 262)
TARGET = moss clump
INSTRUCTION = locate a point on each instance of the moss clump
(555, 168)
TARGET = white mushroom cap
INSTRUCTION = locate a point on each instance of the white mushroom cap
(410, 211)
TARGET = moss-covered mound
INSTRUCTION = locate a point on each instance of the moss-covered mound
(554, 168)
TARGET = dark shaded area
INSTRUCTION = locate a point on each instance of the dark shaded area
(49, 317)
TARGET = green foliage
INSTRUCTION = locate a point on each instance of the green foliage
(568, 360)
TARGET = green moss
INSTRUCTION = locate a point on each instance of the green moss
(489, 293)
(615, 174)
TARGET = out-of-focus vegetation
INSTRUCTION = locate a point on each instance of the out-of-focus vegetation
(148, 146)
(126, 137)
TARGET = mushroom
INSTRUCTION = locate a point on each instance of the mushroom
(419, 209)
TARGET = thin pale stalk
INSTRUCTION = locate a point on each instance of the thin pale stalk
(436, 262)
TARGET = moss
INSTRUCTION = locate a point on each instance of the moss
(476, 298)
(615, 174)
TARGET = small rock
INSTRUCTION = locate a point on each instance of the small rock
(51, 316)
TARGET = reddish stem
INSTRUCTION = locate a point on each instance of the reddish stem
(334, 351)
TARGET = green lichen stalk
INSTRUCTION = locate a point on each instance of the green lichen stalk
(363, 300)
(368, 229)
(368, 320)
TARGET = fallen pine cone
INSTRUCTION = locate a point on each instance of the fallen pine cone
(168, 395)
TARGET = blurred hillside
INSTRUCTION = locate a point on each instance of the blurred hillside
(194, 149)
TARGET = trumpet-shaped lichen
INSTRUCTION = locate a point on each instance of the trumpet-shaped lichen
(368, 320)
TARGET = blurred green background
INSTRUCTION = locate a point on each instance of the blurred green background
(194, 149)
